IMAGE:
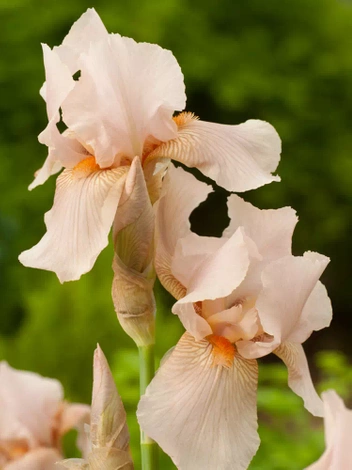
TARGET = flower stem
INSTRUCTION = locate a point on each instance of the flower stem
(149, 449)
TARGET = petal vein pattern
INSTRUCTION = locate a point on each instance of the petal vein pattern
(238, 158)
(78, 223)
(211, 410)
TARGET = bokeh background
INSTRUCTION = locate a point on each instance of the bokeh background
(287, 62)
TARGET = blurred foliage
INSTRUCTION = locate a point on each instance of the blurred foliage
(285, 62)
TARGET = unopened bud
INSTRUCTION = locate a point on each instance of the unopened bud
(134, 303)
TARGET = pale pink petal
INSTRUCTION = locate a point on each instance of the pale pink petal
(108, 418)
(76, 416)
(192, 321)
(338, 426)
(190, 253)
(172, 221)
(73, 415)
(270, 229)
(316, 314)
(211, 410)
(28, 404)
(78, 224)
(238, 158)
(221, 272)
(234, 324)
(299, 378)
(133, 90)
(87, 29)
(58, 85)
(287, 285)
(38, 459)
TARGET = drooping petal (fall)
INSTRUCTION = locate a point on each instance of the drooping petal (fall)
(287, 284)
(238, 158)
(108, 426)
(299, 378)
(37, 459)
(172, 221)
(133, 90)
(338, 426)
(28, 405)
(211, 410)
(78, 223)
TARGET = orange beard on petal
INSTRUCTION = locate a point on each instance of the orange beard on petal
(223, 351)
(85, 167)
(184, 118)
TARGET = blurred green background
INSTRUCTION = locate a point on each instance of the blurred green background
(287, 62)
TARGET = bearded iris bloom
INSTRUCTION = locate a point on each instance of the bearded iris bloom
(240, 297)
(33, 419)
(119, 119)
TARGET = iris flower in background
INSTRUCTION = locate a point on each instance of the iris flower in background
(33, 419)
(108, 433)
(338, 426)
(241, 297)
(119, 123)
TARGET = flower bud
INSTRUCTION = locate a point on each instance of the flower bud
(134, 276)
(134, 303)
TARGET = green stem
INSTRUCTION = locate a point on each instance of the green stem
(149, 449)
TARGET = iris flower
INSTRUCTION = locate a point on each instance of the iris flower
(119, 119)
(240, 297)
(338, 425)
(33, 419)
(108, 433)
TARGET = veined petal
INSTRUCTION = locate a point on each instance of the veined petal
(133, 90)
(238, 158)
(287, 285)
(37, 459)
(108, 419)
(78, 223)
(211, 410)
(29, 404)
(299, 378)
(172, 221)
(87, 29)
